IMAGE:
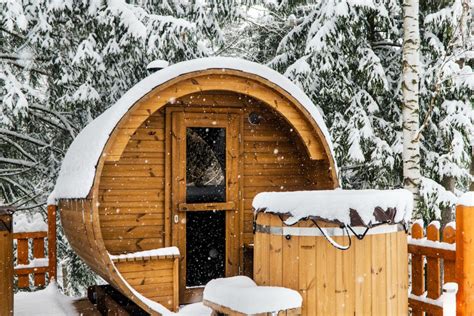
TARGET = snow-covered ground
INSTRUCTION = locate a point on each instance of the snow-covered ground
(51, 302)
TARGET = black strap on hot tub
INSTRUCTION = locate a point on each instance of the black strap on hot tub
(359, 236)
(332, 241)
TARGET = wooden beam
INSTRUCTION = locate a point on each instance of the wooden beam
(29, 235)
(430, 252)
(423, 306)
(52, 251)
(190, 207)
(6, 263)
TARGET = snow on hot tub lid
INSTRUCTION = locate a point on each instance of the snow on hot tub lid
(349, 207)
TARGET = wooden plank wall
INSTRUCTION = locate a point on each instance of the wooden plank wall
(132, 186)
(132, 191)
(154, 279)
(275, 160)
(371, 278)
(76, 219)
(132, 210)
(274, 157)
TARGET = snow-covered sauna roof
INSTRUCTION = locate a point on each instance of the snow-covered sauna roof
(76, 176)
(350, 207)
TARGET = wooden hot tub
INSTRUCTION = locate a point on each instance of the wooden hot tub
(368, 278)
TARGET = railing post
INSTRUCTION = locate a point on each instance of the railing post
(417, 266)
(433, 265)
(52, 241)
(6, 262)
(465, 254)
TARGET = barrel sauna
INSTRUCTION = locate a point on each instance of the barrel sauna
(134, 201)
(334, 275)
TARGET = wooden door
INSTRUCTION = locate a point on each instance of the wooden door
(205, 197)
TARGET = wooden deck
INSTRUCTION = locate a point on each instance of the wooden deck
(84, 307)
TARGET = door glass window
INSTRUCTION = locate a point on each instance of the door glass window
(205, 165)
(205, 247)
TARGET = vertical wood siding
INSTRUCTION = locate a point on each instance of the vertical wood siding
(371, 278)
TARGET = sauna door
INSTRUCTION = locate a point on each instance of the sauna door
(204, 198)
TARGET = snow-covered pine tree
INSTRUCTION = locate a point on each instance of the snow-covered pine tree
(64, 63)
(447, 101)
(347, 55)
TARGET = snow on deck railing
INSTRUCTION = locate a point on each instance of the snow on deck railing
(35, 248)
(31, 262)
(425, 293)
(444, 305)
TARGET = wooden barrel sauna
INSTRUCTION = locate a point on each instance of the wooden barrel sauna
(369, 278)
(123, 194)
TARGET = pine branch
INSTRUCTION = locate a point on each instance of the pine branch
(11, 33)
(16, 184)
(19, 148)
(438, 81)
(23, 137)
(49, 121)
(30, 140)
(18, 162)
(29, 198)
(70, 127)
(14, 63)
(27, 208)
(383, 44)
(26, 191)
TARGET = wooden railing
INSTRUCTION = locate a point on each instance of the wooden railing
(34, 262)
(428, 276)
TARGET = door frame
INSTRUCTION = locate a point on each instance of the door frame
(178, 118)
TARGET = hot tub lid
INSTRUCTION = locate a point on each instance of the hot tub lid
(344, 207)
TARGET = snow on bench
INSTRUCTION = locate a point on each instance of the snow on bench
(159, 253)
(241, 295)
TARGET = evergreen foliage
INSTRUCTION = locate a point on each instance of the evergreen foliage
(347, 56)
(62, 63)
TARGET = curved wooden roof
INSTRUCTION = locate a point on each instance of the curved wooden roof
(94, 144)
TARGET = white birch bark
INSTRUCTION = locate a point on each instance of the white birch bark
(410, 91)
(471, 187)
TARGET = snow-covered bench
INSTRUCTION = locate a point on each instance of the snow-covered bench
(152, 274)
(240, 295)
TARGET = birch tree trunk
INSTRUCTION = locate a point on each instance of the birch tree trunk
(410, 91)
(471, 187)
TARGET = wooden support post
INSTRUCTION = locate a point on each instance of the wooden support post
(176, 284)
(417, 265)
(6, 262)
(449, 236)
(22, 259)
(52, 241)
(465, 257)
(433, 265)
(38, 252)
